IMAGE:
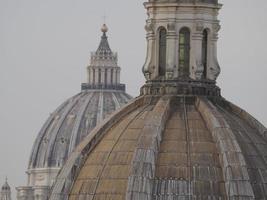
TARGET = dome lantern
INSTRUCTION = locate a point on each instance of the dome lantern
(182, 47)
(103, 71)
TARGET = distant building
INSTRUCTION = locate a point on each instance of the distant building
(5, 193)
(71, 122)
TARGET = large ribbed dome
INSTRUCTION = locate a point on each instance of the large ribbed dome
(70, 123)
(172, 147)
(180, 140)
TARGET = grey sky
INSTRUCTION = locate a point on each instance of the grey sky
(45, 47)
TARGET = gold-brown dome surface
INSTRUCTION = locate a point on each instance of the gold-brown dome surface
(169, 147)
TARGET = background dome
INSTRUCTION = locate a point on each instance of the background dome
(168, 148)
(102, 94)
(70, 123)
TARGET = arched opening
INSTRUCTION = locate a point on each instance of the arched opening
(162, 51)
(205, 52)
(184, 51)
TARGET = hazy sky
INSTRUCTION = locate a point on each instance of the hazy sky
(45, 47)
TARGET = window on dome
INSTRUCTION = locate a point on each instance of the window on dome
(162, 51)
(184, 51)
(205, 52)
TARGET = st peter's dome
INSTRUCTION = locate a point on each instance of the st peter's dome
(74, 119)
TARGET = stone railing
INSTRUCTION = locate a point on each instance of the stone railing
(87, 86)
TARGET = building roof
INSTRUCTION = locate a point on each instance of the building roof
(70, 123)
(77, 116)
(159, 147)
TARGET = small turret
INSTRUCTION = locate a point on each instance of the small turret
(5, 191)
(182, 47)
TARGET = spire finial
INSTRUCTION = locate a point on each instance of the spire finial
(104, 28)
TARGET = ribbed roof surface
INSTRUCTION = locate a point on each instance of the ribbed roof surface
(70, 123)
(170, 147)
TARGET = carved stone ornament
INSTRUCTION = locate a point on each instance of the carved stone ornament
(216, 27)
(199, 26)
(216, 70)
(169, 75)
(199, 70)
(147, 75)
(149, 27)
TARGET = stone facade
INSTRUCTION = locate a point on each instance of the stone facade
(101, 95)
(172, 16)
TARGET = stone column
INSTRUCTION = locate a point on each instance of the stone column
(97, 75)
(102, 76)
(171, 51)
(114, 76)
(109, 76)
(150, 63)
(118, 75)
(213, 70)
(196, 67)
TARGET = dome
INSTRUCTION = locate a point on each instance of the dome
(70, 123)
(180, 139)
(167, 148)
(73, 120)
(5, 187)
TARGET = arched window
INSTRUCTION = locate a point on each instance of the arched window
(184, 51)
(205, 52)
(162, 51)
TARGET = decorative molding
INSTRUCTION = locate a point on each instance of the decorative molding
(149, 27)
(216, 27)
(199, 26)
(171, 26)
(199, 70)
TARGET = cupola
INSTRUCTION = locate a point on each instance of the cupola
(182, 46)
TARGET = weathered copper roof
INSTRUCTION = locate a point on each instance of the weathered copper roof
(169, 147)
(70, 123)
